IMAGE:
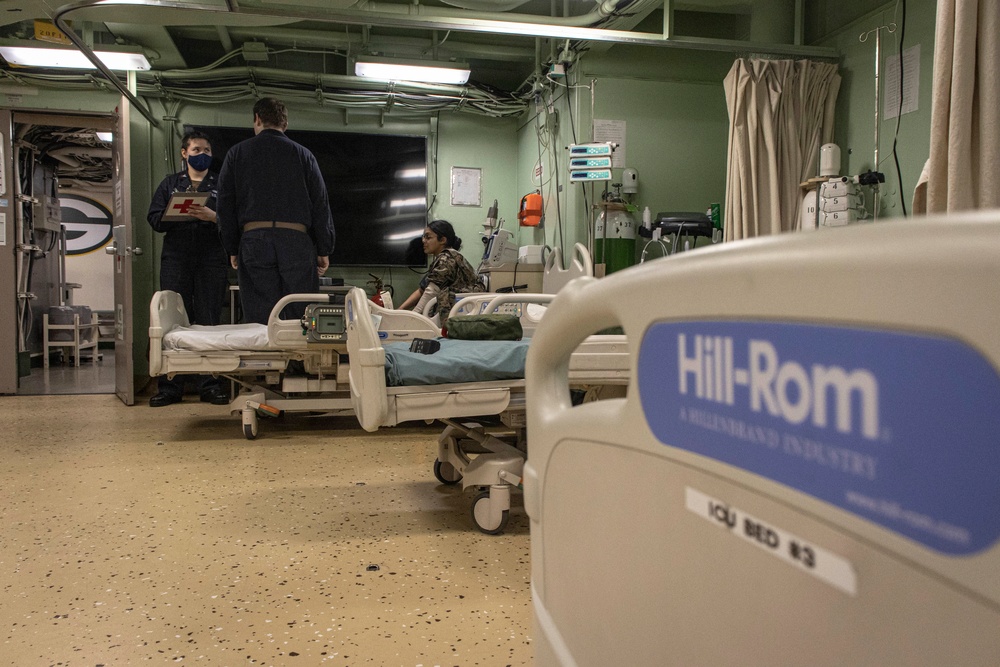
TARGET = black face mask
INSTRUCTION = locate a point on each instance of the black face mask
(199, 162)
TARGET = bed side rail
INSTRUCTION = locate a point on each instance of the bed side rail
(287, 334)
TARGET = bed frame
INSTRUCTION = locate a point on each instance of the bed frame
(804, 470)
(467, 452)
(266, 387)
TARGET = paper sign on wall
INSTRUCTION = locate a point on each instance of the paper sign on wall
(613, 131)
(910, 67)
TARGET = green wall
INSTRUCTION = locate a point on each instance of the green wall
(855, 123)
(677, 129)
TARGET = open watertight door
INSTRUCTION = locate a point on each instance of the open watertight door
(121, 248)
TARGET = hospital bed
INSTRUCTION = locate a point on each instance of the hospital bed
(804, 469)
(467, 451)
(529, 308)
(257, 356)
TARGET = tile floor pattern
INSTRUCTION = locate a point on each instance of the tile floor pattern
(62, 377)
(134, 535)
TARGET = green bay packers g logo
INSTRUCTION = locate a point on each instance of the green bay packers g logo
(87, 222)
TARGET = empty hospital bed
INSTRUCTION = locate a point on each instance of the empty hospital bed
(804, 470)
(257, 356)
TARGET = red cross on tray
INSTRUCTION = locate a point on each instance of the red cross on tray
(184, 206)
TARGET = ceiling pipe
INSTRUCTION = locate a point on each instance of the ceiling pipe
(486, 5)
(59, 20)
(224, 38)
(356, 42)
(601, 12)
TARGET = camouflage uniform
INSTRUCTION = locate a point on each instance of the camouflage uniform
(453, 274)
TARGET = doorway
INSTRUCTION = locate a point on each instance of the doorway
(63, 172)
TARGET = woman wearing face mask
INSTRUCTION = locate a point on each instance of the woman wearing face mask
(192, 263)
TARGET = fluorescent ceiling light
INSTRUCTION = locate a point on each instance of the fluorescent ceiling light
(414, 172)
(406, 236)
(408, 203)
(31, 56)
(426, 71)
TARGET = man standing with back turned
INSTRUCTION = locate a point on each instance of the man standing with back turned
(274, 216)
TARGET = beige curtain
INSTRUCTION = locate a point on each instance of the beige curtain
(780, 112)
(964, 164)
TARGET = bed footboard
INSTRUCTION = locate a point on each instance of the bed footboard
(166, 312)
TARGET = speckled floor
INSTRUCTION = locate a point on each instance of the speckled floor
(160, 535)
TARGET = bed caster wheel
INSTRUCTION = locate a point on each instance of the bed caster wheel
(486, 520)
(446, 472)
(249, 424)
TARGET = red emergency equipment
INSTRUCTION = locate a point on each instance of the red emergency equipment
(530, 213)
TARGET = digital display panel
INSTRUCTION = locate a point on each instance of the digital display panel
(377, 185)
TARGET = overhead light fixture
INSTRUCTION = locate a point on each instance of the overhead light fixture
(426, 71)
(45, 56)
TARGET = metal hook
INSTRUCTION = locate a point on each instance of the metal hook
(864, 36)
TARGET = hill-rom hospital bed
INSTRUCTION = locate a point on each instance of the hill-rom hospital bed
(357, 360)
(804, 469)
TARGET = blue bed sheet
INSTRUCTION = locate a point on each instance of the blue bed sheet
(456, 361)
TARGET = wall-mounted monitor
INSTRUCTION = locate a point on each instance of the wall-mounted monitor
(377, 185)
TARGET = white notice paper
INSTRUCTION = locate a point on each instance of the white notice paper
(613, 131)
(466, 186)
(911, 82)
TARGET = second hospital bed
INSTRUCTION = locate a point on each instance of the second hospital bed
(357, 361)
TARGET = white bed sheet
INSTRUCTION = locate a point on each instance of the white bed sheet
(198, 338)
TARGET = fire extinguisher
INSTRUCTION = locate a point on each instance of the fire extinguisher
(530, 213)
(377, 297)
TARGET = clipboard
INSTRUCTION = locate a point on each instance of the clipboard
(180, 202)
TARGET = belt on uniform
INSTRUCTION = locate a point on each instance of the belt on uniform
(262, 224)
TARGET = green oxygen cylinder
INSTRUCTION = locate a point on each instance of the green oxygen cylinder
(614, 237)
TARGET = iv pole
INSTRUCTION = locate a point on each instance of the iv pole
(878, 61)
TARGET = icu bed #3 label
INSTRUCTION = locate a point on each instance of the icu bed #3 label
(895, 427)
(792, 549)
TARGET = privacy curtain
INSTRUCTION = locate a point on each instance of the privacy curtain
(962, 170)
(780, 113)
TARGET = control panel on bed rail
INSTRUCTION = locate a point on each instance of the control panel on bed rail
(324, 323)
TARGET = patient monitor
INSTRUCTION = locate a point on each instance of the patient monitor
(500, 249)
(324, 323)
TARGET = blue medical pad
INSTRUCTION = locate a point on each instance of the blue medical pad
(456, 361)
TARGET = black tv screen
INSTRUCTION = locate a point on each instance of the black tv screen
(377, 185)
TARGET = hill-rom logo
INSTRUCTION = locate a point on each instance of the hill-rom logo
(88, 223)
(785, 389)
(894, 426)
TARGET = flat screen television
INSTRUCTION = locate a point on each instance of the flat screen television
(377, 185)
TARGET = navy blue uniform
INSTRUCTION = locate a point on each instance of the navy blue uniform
(192, 263)
(270, 178)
